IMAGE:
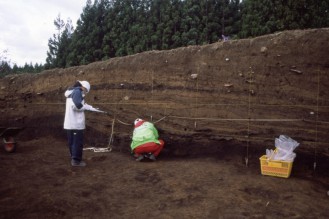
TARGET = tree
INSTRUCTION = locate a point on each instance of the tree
(54, 44)
(87, 39)
(261, 17)
(191, 22)
(4, 68)
(112, 28)
(64, 44)
(4, 63)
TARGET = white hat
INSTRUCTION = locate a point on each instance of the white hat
(86, 85)
(137, 120)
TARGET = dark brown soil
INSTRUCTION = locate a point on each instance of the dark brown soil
(218, 107)
(38, 182)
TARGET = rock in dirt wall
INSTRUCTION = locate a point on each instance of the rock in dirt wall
(203, 99)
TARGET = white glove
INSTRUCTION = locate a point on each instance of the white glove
(97, 110)
(87, 107)
(91, 108)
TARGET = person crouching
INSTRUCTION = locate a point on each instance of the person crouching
(145, 141)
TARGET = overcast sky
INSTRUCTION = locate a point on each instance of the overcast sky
(26, 26)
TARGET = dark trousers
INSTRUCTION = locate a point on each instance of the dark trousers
(75, 140)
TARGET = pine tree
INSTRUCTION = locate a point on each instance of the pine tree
(112, 28)
(108, 48)
(64, 43)
(4, 68)
(261, 17)
(54, 43)
(191, 22)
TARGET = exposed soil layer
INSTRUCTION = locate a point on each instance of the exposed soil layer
(218, 107)
(248, 91)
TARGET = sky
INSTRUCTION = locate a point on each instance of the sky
(27, 25)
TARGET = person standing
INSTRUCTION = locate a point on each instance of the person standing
(74, 121)
(145, 142)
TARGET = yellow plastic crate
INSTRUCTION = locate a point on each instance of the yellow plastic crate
(275, 167)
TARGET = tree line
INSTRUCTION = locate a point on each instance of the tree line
(114, 28)
(6, 67)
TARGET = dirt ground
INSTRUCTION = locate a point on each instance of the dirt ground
(37, 181)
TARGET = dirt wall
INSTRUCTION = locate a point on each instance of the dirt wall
(203, 99)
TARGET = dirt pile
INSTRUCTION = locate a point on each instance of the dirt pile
(203, 99)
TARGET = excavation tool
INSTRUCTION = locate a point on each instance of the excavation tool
(8, 135)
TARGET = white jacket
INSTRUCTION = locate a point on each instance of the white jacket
(75, 107)
(74, 115)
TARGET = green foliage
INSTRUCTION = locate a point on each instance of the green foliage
(6, 69)
(112, 28)
(57, 55)
(261, 17)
